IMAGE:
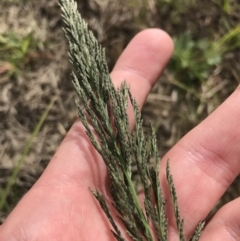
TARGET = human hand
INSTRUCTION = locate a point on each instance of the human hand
(203, 163)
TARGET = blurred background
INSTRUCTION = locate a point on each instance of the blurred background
(36, 95)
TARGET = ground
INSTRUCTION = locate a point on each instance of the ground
(34, 70)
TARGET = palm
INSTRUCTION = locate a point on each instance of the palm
(60, 205)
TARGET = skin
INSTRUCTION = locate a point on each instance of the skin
(203, 163)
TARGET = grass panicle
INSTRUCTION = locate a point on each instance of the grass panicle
(104, 109)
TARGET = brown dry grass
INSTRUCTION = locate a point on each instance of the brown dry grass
(26, 87)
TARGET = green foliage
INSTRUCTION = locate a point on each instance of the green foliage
(14, 51)
(193, 59)
(225, 5)
(104, 115)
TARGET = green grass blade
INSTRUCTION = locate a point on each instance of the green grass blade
(26, 149)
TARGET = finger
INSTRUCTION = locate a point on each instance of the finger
(142, 63)
(206, 161)
(225, 224)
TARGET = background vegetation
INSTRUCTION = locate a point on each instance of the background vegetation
(36, 107)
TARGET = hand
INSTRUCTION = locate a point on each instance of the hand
(60, 206)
